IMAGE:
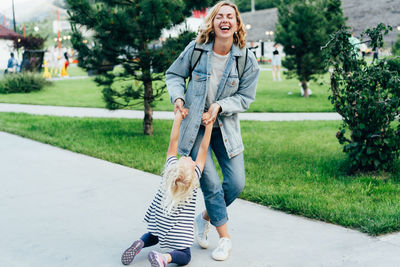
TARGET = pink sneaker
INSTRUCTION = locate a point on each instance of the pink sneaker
(156, 259)
(130, 253)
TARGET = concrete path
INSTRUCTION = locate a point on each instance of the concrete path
(137, 114)
(60, 208)
(68, 78)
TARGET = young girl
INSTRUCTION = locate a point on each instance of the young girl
(170, 216)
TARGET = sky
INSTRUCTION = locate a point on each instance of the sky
(24, 9)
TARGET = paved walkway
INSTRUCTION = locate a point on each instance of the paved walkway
(100, 112)
(60, 208)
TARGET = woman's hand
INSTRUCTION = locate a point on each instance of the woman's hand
(212, 112)
(178, 107)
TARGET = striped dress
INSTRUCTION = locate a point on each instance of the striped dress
(175, 230)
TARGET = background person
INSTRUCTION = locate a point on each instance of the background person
(276, 64)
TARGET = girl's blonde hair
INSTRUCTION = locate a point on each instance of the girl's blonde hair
(179, 183)
(207, 34)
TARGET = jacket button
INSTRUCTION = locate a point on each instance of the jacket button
(230, 155)
(220, 124)
(226, 140)
(197, 77)
(233, 83)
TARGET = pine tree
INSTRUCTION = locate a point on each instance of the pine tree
(303, 28)
(122, 35)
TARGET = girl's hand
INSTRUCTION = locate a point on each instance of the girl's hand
(182, 114)
(206, 116)
(178, 107)
(213, 111)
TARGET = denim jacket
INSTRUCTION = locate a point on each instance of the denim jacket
(233, 96)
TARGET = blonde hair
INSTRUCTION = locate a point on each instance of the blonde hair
(179, 183)
(207, 34)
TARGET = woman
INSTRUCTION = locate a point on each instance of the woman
(219, 87)
(276, 64)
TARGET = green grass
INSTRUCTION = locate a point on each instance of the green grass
(271, 96)
(291, 166)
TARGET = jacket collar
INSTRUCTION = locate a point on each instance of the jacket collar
(235, 49)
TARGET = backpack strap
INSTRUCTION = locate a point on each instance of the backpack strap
(241, 61)
(198, 51)
(196, 55)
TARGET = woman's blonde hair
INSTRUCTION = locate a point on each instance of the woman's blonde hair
(179, 183)
(207, 34)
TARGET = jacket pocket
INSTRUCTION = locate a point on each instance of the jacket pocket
(199, 83)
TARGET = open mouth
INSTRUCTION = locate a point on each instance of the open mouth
(225, 28)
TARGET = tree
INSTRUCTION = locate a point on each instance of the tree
(303, 27)
(122, 35)
(367, 96)
(396, 46)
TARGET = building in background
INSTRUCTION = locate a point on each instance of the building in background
(6, 46)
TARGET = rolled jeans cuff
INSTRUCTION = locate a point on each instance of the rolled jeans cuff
(220, 222)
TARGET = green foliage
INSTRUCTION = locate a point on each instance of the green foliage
(368, 98)
(30, 42)
(22, 83)
(394, 64)
(123, 32)
(396, 46)
(303, 27)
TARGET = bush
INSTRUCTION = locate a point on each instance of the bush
(394, 64)
(368, 98)
(22, 83)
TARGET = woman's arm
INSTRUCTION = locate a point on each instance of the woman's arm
(177, 73)
(173, 139)
(205, 142)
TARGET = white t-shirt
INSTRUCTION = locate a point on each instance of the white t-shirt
(218, 64)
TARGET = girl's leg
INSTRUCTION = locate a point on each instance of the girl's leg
(180, 256)
(146, 240)
(149, 240)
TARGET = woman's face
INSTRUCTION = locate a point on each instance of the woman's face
(225, 23)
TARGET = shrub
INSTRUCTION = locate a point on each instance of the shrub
(367, 96)
(394, 64)
(22, 83)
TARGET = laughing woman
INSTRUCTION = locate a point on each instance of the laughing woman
(223, 80)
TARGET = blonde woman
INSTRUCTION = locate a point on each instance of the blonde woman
(171, 214)
(221, 85)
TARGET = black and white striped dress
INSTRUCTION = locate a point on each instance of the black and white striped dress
(175, 230)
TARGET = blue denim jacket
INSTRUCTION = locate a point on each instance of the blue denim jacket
(233, 96)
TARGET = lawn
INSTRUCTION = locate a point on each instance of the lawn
(297, 167)
(271, 96)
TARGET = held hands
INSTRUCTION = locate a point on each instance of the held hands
(178, 107)
(211, 115)
(180, 115)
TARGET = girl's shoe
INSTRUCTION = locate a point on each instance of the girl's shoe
(130, 253)
(156, 259)
(221, 253)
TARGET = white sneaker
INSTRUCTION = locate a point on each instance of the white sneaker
(202, 228)
(221, 253)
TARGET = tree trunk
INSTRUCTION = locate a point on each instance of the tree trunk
(148, 110)
(305, 87)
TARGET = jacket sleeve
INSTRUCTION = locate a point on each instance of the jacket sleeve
(246, 93)
(175, 76)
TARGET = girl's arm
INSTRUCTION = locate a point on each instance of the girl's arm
(173, 139)
(202, 153)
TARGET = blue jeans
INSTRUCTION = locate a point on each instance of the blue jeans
(218, 197)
